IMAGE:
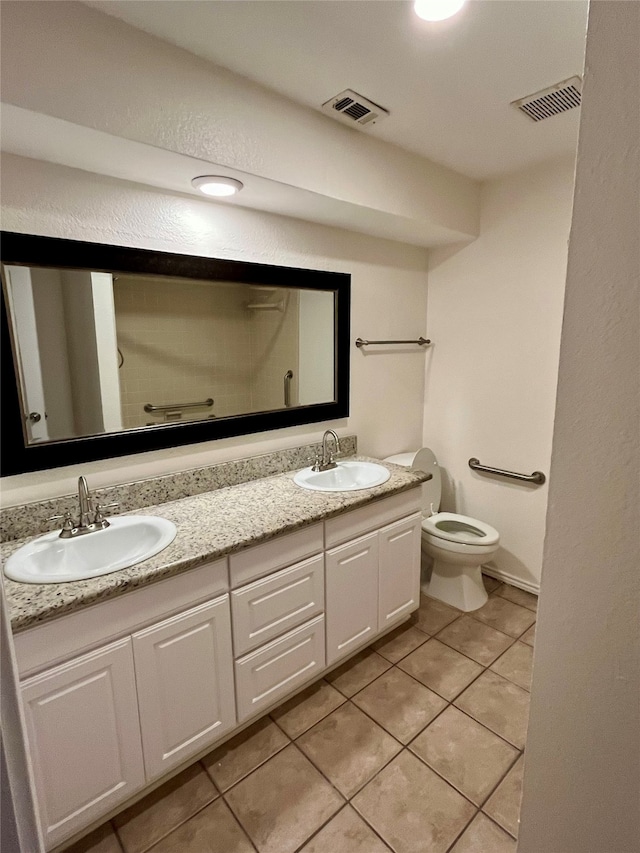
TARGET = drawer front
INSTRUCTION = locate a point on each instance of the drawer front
(276, 669)
(261, 560)
(352, 524)
(269, 607)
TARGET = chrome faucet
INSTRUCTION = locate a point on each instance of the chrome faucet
(326, 462)
(90, 518)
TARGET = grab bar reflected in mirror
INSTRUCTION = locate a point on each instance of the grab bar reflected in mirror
(149, 407)
(537, 477)
(287, 388)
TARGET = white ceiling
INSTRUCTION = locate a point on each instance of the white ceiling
(447, 86)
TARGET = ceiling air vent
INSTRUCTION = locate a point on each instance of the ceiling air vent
(352, 108)
(549, 102)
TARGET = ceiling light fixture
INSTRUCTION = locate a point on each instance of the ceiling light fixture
(217, 185)
(437, 10)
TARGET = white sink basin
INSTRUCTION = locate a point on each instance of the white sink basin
(127, 541)
(347, 477)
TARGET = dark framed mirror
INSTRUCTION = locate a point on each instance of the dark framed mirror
(109, 350)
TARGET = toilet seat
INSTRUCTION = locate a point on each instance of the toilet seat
(460, 529)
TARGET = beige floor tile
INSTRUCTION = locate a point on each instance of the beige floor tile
(475, 640)
(505, 616)
(504, 804)
(212, 830)
(239, 756)
(346, 833)
(397, 644)
(348, 748)
(307, 708)
(519, 596)
(357, 672)
(434, 615)
(281, 804)
(491, 584)
(483, 836)
(516, 665)
(399, 704)
(499, 705)
(412, 808)
(101, 840)
(467, 754)
(440, 668)
(529, 636)
(145, 823)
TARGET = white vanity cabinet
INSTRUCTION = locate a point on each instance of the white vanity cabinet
(184, 673)
(84, 738)
(372, 581)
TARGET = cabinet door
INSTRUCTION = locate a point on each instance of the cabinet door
(351, 596)
(84, 738)
(184, 670)
(399, 576)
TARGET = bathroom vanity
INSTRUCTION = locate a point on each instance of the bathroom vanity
(265, 588)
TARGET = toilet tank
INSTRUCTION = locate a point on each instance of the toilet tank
(423, 460)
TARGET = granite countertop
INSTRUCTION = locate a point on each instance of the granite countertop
(210, 526)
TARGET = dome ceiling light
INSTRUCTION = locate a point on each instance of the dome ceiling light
(217, 185)
(437, 10)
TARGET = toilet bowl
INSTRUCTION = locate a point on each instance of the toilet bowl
(458, 544)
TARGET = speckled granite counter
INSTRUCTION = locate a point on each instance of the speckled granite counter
(210, 526)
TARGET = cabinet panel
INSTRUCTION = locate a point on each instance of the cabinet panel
(184, 669)
(399, 574)
(261, 560)
(84, 738)
(351, 596)
(277, 668)
(373, 516)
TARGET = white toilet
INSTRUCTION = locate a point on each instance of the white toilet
(458, 545)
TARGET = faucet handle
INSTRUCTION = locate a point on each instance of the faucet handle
(99, 517)
(67, 524)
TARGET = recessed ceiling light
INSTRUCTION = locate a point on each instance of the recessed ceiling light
(437, 10)
(217, 185)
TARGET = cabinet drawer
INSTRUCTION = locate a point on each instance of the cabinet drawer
(276, 669)
(371, 517)
(269, 607)
(253, 563)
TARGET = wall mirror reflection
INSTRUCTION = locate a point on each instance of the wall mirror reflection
(110, 342)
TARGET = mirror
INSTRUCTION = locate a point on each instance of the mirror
(113, 350)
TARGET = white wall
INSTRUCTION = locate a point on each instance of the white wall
(494, 315)
(582, 773)
(316, 365)
(388, 301)
(72, 62)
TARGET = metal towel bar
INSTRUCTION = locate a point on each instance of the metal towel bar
(423, 342)
(287, 388)
(537, 477)
(149, 407)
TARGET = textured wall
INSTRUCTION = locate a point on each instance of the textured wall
(582, 774)
(495, 311)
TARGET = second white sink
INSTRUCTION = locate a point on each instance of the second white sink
(128, 540)
(346, 477)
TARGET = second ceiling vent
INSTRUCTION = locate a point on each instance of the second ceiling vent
(351, 108)
(549, 102)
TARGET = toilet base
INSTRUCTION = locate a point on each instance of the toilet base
(458, 585)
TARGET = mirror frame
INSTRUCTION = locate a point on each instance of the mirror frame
(29, 250)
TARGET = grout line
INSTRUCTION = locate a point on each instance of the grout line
(462, 831)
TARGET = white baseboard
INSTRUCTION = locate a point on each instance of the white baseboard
(512, 580)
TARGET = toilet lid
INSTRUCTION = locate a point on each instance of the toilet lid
(460, 528)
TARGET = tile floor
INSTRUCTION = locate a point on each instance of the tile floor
(415, 745)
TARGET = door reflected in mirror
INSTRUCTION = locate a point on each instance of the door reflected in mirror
(101, 352)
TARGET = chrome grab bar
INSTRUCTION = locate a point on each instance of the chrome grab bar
(287, 388)
(537, 477)
(423, 342)
(149, 407)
